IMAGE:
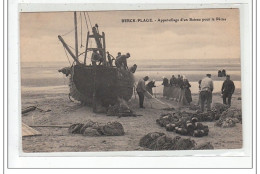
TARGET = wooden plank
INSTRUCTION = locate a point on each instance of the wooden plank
(28, 109)
(28, 131)
(55, 126)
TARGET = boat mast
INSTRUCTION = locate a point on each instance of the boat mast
(76, 36)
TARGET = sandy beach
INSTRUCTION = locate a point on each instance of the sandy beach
(65, 112)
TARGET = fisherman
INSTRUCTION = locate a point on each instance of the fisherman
(110, 61)
(206, 92)
(121, 61)
(149, 87)
(96, 57)
(227, 90)
(140, 89)
(118, 55)
(133, 68)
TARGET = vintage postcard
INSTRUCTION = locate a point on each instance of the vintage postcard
(147, 80)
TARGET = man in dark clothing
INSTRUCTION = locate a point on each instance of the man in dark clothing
(96, 57)
(110, 60)
(149, 87)
(141, 89)
(121, 61)
(133, 68)
(227, 90)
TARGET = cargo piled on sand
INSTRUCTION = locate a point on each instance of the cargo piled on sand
(232, 113)
(186, 125)
(206, 116)
(204, 146)
(159, 141)
(194, 107)
(212, 115)
(91, 128)
(218, 108)
(229, 118)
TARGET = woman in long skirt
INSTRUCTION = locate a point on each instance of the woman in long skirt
(186, 86)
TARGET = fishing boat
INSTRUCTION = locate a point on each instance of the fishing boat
(96, 85)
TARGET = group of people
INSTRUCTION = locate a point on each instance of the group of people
(120, 60)
(179, 89)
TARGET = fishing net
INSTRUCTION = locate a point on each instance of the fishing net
(183, 123)
(226, 122)
(206, 116)
(232, 113)
(91, 128)
(91, 132)
(229, 118)
(194, 107)
(159, 141)
(113, 129)
(204, 146)
(218, 108)
(75, 128)
(121, 109)
(169, 109)
(148, 139)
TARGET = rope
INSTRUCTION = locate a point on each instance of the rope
(155, 92)
(89, 20)
(67, 55)
(81, 31)
(86, 21)
(71, 47)
(70, 30)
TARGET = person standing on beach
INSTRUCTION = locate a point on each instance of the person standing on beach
(178, 81)
(141, 89)
(149, 87)
(206, 92)
(186, 87)
(227, 90)
(199, 92)
(173, 81)
(166, 87)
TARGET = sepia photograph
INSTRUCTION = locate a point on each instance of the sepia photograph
(132, 80)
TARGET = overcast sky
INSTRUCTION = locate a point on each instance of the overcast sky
(155, 40)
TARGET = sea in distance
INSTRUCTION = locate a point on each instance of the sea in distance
(43, 77)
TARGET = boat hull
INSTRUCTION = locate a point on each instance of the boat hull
(110, 84)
